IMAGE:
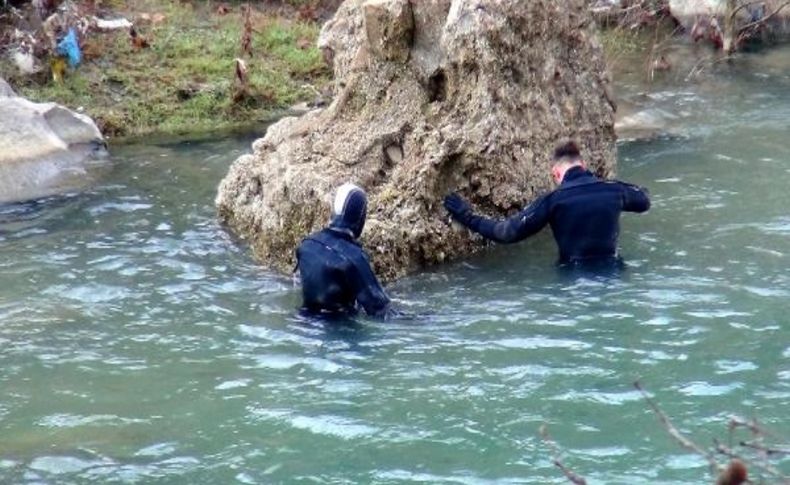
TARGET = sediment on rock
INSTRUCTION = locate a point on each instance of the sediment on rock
(430, 96)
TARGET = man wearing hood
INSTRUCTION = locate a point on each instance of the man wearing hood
(583, 212)
(334, 269)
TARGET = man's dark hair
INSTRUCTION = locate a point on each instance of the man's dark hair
(569, 150)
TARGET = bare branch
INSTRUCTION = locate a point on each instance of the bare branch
(753, 426)
(738, 422)
(765, 467)
(700, 66)
(768, 17)
(770, 450)
(673, 431)
(743, 6)
(764, 451)
(555, 450)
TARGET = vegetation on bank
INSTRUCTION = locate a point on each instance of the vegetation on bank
(181, 75)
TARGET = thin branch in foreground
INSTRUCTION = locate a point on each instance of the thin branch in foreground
(743, 6)
(715, 467)
(752, 425)
(770, 450)
(759, 436)
(764, 19)
(770, 470)
(700, 66)
(555, 450)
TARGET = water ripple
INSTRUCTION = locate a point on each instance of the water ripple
(133, 324)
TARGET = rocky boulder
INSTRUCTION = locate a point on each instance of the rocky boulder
(45, 149)
(430, 96)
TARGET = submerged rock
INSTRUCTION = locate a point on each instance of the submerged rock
(45, 149)
(430, 96)
(647, 124)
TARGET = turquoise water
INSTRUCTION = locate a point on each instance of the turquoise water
(139, 343)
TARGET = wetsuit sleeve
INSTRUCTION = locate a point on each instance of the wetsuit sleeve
(635, 198)
(370, 294)
(515, 228)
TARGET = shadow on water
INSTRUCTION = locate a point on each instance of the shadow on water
(16, 217)
(328, 321)
(597, 270)
(350, 332)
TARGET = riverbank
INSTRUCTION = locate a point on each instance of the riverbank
(181, 78)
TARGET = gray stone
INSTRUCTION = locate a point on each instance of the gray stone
(45, 149)
(5, 89)
(484, 92)
(647, 124)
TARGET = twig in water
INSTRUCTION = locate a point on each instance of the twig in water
(701, 65)
(715, 467)
(762, 466)
(770, 450)
(757, 432)
(752, 425)
(555, 450)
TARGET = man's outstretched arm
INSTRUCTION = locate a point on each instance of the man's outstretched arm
(513, 229)
(635, 198)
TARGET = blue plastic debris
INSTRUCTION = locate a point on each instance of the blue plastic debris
(70, 48)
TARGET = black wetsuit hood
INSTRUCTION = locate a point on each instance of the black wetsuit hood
(349, 211)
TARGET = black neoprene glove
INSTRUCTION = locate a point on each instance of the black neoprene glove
(458, 208)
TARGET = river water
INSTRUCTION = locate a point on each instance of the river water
(139, 343)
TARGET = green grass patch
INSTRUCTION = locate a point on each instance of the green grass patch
(620, 41)
(185, 80)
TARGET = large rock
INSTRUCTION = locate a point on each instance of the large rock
(688, 9)
(45, 149)
(431, 96)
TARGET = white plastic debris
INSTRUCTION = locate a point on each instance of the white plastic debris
(113, 24)
(25, 61)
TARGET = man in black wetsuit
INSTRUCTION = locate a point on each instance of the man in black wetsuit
(334, 269)
(583, 212)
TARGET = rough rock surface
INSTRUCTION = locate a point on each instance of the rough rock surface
(430, 96)
(45, 149)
